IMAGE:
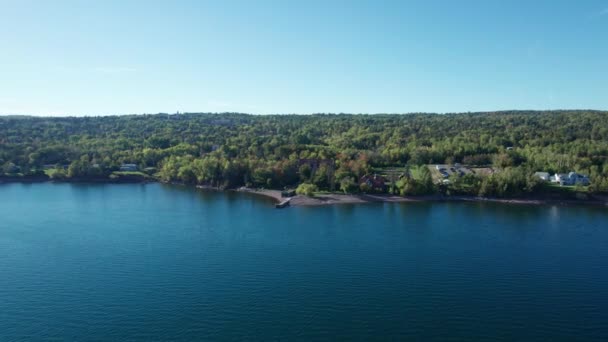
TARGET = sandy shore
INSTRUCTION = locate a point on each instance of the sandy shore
(326, 199)
(330, 199)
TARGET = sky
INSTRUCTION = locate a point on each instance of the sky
(129, 57)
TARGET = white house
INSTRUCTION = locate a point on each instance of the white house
(543, 176)
(571, 178)
(560, 178)
(577, 178)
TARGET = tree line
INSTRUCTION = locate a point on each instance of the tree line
(231, 149)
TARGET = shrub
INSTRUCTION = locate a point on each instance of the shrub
(306, 189)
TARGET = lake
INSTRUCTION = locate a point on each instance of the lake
(157, 262)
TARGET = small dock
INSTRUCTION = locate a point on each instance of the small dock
(284, 203)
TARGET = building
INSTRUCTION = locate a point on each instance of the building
(578, 179)
(561, 179)
(571, 178)
(375, 182)
(543, 176)
(128, 167)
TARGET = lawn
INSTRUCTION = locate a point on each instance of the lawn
(554, 187)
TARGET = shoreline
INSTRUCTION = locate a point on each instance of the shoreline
(334, 198)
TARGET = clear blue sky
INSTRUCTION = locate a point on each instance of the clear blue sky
(111, 57)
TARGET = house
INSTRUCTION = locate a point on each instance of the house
(128, 167)
(543, 176)
(561, 178)
(375, 182)
(571, 178)
(578, 179)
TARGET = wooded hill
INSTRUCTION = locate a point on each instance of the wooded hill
(231, 149)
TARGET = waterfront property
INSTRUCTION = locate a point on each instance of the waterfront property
(571, 178)
(374, 182)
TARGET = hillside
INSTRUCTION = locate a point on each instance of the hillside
(330, 151)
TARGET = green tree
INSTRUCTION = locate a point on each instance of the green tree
(306, 189)
(348, 185)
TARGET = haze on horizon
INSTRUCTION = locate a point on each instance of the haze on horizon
(126, 57)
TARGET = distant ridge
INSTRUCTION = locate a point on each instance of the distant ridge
(514, 111)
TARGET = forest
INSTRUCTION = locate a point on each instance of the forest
(319, 152)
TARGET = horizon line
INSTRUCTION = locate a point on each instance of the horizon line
(299, 114)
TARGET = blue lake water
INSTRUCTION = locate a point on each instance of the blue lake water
(156, 262)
